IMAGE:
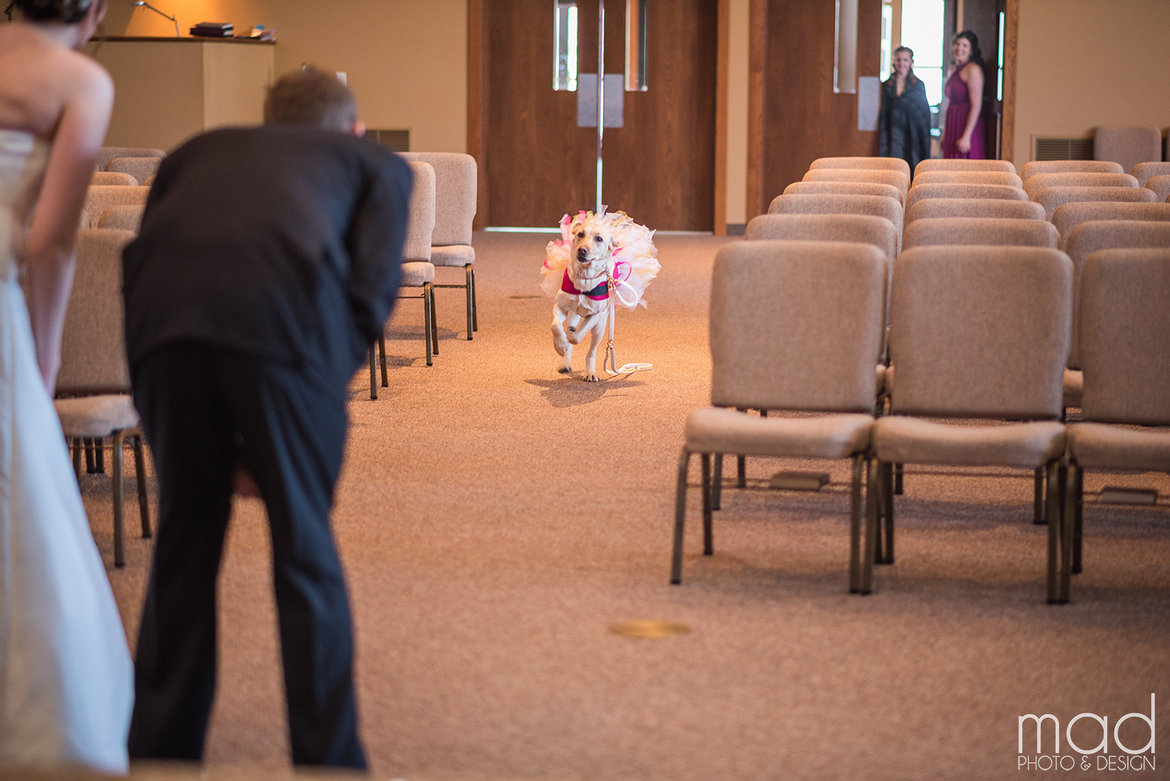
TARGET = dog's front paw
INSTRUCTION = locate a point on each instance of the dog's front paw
(591, 377)
(564, 370)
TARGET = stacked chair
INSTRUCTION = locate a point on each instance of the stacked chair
(999, 339)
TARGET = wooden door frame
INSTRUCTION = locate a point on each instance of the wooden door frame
(477, 111)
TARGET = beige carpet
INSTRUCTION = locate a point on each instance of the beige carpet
(497, 519)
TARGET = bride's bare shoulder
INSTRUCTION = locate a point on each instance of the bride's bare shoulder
(39, 78)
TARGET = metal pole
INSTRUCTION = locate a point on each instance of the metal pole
(600, 93)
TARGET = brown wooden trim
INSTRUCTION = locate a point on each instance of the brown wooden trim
(758, 17)
(722, 60)
(1011, 30)
(476, 145)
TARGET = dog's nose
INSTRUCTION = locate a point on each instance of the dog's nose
(582, 255)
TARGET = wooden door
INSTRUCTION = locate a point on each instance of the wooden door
(537, 164)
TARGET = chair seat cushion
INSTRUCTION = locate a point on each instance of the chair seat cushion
(904, 439)
(453, 255)
(1105, 446)
(96, 416)
(721, 430)
(416, 273)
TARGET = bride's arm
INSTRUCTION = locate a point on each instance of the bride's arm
(49, 249)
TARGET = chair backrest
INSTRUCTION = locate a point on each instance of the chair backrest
(420, 220)
(892, 176)
(872, 205)
(1125, 349)
(844, 188)
(796, 325)
(959, 164)
(1079, 179)
(125, 217)
(1058, 166)
(141, 168)
(974, 207)
(1143, 171)
(99, 197)
(1051, 198)
(93, 348)
(1070, 215)
(1160, 186)
(980, 332)
(108, 153)
(826, 227)
(112, 177)
(456, 190)
(967, 177)
(863, 161)
(998, 191)
(986, 231)
(1127, 145)
(1088, 237)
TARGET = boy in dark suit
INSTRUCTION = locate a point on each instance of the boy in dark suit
(267, 261)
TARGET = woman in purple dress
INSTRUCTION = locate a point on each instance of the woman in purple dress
(963, 134)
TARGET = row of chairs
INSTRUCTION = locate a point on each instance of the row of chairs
(902, 439)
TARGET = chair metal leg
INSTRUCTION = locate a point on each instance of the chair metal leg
(717, 483)
(470, 303)
(1057, 592)
(1038, 514)
(705, 475)
(382, 358)
(426, 297)
(75, 445)
(680, 512)
(119, 528)
(1078, 515)
(869, 549)
(143, 498)
(474, 298)
(860, 467)
(886, 553)
(373, 375)
(898, 488)
(434, 322)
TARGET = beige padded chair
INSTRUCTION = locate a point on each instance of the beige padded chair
(1078, 179)
(1126, 356)
(980, 231)
(863, 161)
(456, 191)
(1127, 145)
(968, 177)
(890, 176)
(128, 217)
(978, 340)
(1060, 166)
(141, 168)
(1052, 198)
(99, 197)
(954, 164)
(1083, 241)
(1070, 215)
(795, 327)
(826, 227)
(108, 153)
(970, 191)
(112, 177)
(844, 188)
(973, 207)
(1143, 171)
(418, 272)
(1160, 186)
(872, 205)
(93, 385)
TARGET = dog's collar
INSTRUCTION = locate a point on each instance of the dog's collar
(599, 293)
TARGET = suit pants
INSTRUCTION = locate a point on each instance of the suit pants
(205, 408)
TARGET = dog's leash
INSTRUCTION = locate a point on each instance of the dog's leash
(609, 362)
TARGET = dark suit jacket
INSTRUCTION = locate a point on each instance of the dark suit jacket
(279, 241)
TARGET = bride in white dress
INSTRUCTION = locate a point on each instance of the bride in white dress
(66, 683)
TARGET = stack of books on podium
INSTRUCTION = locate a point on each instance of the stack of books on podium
(213, 30)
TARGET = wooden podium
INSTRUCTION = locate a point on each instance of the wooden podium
(169, 89)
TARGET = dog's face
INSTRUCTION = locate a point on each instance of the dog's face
(592, 249)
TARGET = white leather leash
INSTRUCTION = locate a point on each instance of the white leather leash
(609, 363)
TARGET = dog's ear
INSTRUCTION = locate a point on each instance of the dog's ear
(578, 223)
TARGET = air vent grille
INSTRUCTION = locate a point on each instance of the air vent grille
(1051, 148)
(398, 140)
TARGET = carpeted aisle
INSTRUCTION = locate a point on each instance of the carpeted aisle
(498, 519)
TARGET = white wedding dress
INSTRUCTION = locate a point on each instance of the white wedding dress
(66, 679)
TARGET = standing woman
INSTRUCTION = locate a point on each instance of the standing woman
(904, 116)
(65, 674)
(963, 131)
